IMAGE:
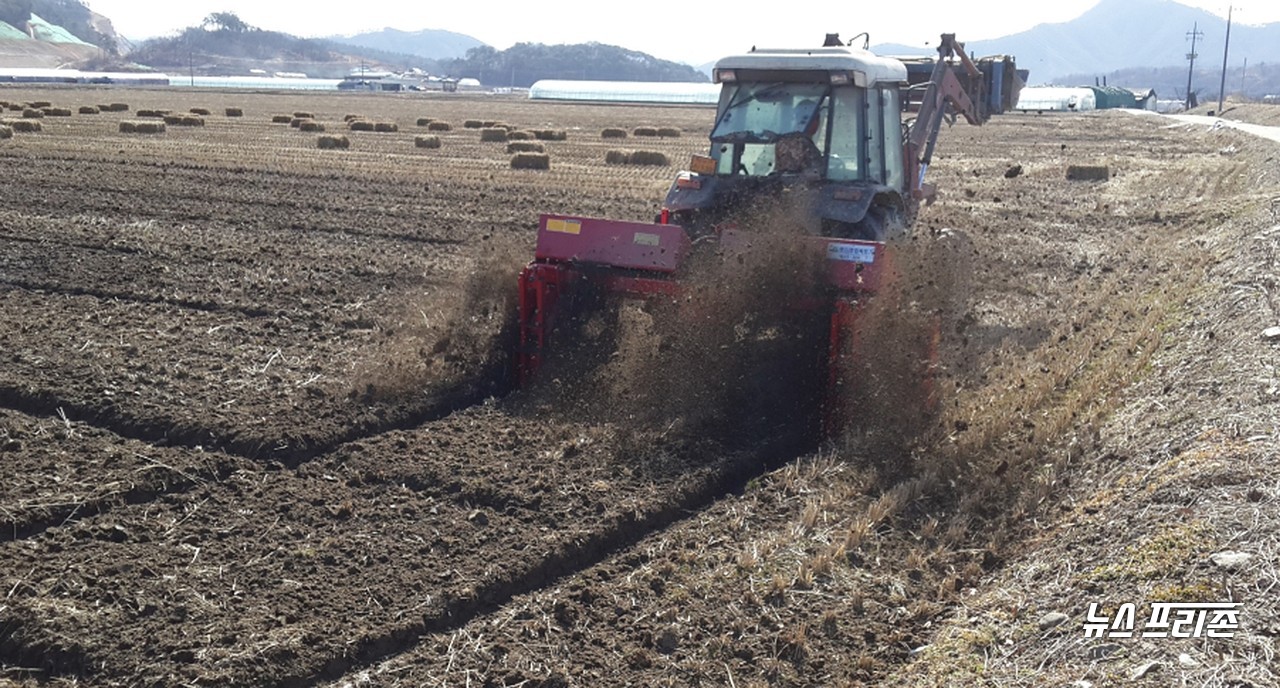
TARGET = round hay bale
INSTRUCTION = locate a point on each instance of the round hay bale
(6, 132)
(351, 117)
(234, 112)
(25, 126)
(439, 126)
(550, 134)
(303, 115)
(669, 132)
(426, 141)
(127, 127)
(360, 125)
(331, 142)
(617, 157)
(424, 121)
(613, 133)
(525, 147)
(89, 110)
(531, 161)
(57, 112)
(473, 124)
(494, 135)
(518, 135)
(281, 119)
(311, 125)
(644, 131)
(203, 112)
(386, 127)
(648, 158)
(32, 113)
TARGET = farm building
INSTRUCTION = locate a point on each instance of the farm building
(626, 91)
(1056, 99)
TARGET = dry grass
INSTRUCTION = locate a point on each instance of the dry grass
(6, 132)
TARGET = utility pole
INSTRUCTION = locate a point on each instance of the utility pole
(1191, 57)
(1243, 71)
(1222, 87)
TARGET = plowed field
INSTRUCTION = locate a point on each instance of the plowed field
(256, 424)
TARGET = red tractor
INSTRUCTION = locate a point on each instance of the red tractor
(821, 124)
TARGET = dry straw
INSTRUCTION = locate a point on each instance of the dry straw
(360, 125)
(351, 117)
(550, 134)
(6, 132)
(525, 147)
(617, 157)
(281, 119)
(613, 133)
(518, 135)
(156, 114)
(531, 161)
(669, 132)
(494, 135)
(386, 127)
(235, 112)
(57, 112)
(439, 126)
(39, 104)
(329, 142)
(128, 127)
(426, 141)
(424, 121)
(89, 110)
(303, 115)
(32, 113)
(310, 125)
(203, 112)
(644, 131)
(115, 107)
(473, 124)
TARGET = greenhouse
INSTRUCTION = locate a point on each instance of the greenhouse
(1053, 98)
(626, 91)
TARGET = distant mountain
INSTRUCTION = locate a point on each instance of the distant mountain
(1119, 34)
(434, 44)
(226, 45)
(524, 63)
(53, 33)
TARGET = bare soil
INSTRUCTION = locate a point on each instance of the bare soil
(256, 406)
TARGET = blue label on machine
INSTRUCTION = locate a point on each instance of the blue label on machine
(851, 253)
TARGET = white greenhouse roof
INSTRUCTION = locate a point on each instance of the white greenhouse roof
(626, 91)
(1056, 98)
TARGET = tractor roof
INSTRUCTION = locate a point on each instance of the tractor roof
(841, 58)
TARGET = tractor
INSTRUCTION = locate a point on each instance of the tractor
(824, 125)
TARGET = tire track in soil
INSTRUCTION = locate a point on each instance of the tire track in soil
(681, 493)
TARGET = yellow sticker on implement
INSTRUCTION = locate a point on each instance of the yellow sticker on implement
(564, 226)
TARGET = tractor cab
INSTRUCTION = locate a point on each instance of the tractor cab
(828, 120)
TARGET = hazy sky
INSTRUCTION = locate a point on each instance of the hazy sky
(692, 32)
